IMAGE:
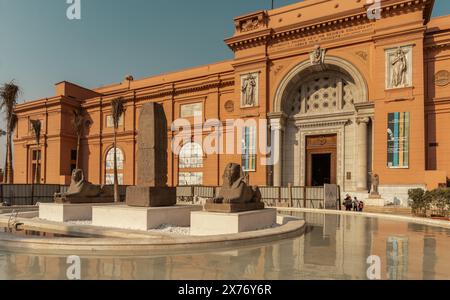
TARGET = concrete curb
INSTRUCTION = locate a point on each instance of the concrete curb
(421, 221)
(123, 242)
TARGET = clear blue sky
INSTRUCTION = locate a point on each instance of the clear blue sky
(40, 46)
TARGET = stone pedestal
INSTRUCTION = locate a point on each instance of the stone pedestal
(63, 212)
(142, 218)
(233, 208)
(375, 202)
(143, 196)
(208, 223)
(83, 200)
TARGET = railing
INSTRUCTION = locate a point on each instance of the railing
(27, 194)
(296, 197)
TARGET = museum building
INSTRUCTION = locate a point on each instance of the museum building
(348, 93)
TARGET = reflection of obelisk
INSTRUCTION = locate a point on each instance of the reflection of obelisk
(152, 190)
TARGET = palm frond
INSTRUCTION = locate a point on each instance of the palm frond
(118, 109)
(9, 92)
(36, 124)
(77, 121)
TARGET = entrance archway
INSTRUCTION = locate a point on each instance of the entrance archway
(326, 102)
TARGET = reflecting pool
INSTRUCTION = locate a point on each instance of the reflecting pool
(334, 247)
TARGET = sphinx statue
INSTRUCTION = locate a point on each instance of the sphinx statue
(235, 195)
(81, 191)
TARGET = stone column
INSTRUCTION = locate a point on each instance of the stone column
(277, 127)
(361, 181)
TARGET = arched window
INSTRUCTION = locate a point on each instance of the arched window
(109, 177)
(190, 158)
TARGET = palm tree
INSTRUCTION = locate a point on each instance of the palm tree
(77, 124)
(117, 111)
(2, 133)
(37, 125)
(9, 92)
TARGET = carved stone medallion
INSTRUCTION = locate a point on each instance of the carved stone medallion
(442, 78)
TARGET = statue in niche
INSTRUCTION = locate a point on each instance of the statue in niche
(375, 183)
(82, 191)
(399, 68)
(318, 56)
(248, 90)
(235, 195)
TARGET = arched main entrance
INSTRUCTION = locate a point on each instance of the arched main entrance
(323, 119)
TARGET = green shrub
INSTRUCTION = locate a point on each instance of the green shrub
(440, 199)
(436, 201)
(418, 197)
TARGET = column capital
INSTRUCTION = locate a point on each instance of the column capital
(364, 120)
(278, 124)
(276, 115)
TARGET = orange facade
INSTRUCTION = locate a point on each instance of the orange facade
(289, 62)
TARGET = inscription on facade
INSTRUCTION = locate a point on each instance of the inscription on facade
(323, 37)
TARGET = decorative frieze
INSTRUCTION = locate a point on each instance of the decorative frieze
(250, 22)
(317, 56)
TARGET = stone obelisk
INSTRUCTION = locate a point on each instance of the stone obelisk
(152, 189)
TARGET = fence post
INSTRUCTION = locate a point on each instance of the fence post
(304, 197)
(291, 202)
(279, 196)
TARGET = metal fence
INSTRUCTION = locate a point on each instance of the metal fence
(27, 194)
(297, 197)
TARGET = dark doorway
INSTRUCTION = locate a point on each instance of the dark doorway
(321, 156)
(321, 169)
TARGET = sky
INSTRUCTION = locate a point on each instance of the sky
(40, 46)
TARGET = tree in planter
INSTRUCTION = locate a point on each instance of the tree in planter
(77, 124)
(9, 92)
(118, 110)
(37, 125)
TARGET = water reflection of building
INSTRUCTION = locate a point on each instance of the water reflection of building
(334, 248)
(414, 252)
(397, 257)
(330, 248)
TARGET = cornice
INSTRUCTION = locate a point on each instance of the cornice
(357, 16)
(314, 124)
(174, 91)
(46, 103)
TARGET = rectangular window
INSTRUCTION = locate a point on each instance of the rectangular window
(36, 154)
(191, 110)
(73, 155)
(110, 121)
(249, 149)
(190, 178)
